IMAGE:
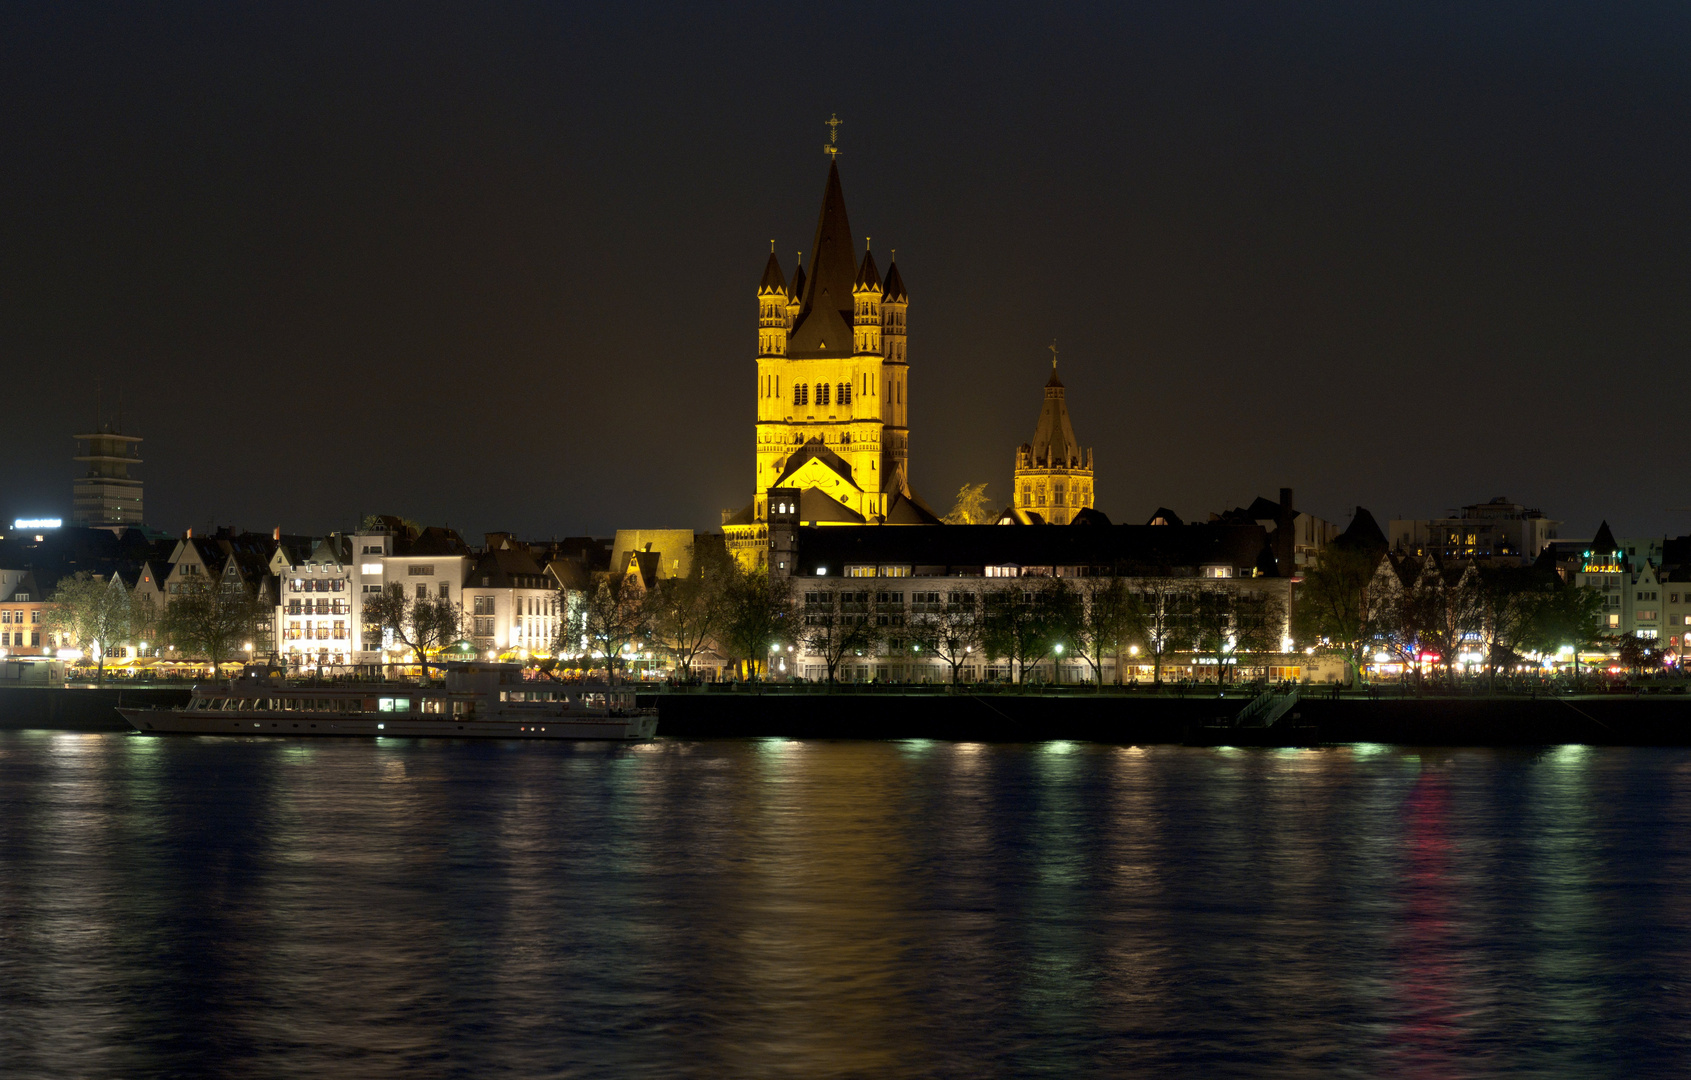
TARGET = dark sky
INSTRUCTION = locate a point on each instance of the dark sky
(494, 265)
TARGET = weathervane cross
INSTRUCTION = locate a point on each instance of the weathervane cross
(1053, 348)
(832, 148)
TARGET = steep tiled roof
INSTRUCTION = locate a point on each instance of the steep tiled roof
(894, 288)
(824, 322)
(773, 280)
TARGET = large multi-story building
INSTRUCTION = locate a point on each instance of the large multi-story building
(107, 495)
(1053, 476)
(832, 390)
(900, 578)
(1496, 531)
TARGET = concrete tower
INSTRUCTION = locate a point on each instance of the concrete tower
(107, 495)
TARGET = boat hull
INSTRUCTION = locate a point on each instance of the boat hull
(388, 725)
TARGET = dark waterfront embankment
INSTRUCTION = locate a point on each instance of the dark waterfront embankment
(1142, 717)
(1146, 717)
(77, 708)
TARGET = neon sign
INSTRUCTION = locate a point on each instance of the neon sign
(37, 523)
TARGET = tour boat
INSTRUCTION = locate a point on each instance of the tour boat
(478, 701)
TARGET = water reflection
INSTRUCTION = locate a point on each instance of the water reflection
(788, 908)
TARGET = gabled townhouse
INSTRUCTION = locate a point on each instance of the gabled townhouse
(23, 604)
(316, 622)
(511, 603)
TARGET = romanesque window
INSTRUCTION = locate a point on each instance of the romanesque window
(801, 393)
(845, 393)
(821, 393)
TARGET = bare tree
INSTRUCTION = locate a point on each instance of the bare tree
(1164, 609)
(1340, 602)
(1024, 620)
(1506, 598)
(1442, 609)
(617, 613)
(1113, 617)
(687, 612)
(93, 612)
(759, 617)
(1212, 628)
(422, 624)
(1259, 625)
(839, 624)
(952, 632)
(211, 619)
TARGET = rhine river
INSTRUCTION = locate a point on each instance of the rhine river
(771, 908)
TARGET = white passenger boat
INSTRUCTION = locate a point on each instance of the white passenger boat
(478, 701)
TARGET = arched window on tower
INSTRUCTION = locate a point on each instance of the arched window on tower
(845, 393)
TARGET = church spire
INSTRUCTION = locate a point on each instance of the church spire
(824, 323)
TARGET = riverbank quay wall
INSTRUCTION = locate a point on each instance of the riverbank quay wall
(1146, 718)
(1124, 718)
(75, 708)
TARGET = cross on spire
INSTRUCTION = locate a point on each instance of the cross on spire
(1053, 348)
(832, 147)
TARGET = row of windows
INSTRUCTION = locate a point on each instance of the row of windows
(320, 632)
(7, 636)
(825, 394)
(10, 616)
(319, 607)
(317, 585)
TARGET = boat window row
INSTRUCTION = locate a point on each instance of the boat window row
(323, 704)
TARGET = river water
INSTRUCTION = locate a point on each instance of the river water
(271, 908)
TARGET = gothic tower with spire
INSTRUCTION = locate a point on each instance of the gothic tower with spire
(832, 390)
(1053, 475)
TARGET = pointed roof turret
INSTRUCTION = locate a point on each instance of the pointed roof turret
(1604, 541)
(798, 279)
(894, 288)
(1053, 439)
(825, 321)
(868, 277)
(774, 281)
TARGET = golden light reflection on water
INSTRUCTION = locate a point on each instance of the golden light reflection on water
(789, 908)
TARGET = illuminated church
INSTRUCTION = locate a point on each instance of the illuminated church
(833, 392)
(1052, 481)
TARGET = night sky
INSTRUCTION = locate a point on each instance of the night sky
(494, 265)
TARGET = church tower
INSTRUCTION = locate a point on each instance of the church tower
(832, 390)
(1053, 476)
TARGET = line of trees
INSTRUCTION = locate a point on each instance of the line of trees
(1361, 602)
(206, 619)
(1025, 622)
